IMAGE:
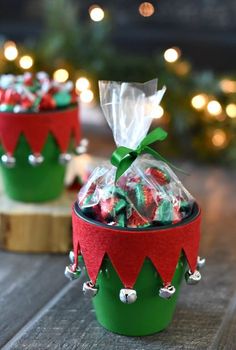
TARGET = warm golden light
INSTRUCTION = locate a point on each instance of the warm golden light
(26, 62)
(183, 68)
(228, 86)
(96, 13)
(199, 101)
(82, 84)
(146, 9)
(231, 110)
(10, 51)
(159, 112)
(86, 96)
(60, 75)
(219, 138)
(172, 55)
(214, 107)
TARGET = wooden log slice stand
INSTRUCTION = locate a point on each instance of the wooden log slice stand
(36, 227)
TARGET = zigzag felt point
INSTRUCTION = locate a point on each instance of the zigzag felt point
(62, 124)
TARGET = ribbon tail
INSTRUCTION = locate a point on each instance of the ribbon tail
(157, 155)
(124, 164)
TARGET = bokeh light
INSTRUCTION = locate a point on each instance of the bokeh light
(10, 51)
(146, 9)
(182, 68)
(82, 84)
(199, 101)
(61, 75)
(228, 86)
(219, 138)
(214, 107)
(96, 13)
(87, 96)
(26, 62)
(231, 110)
(159, 112)
(172, 55)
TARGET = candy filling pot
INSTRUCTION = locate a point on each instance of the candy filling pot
(149, 313)
(28, 183)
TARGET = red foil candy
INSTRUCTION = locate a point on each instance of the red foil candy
(2, 94)
(74, 97)
(108, 207)
(142, 197)
(176, 213)
(91, 189)
(26, 102)
(160, 177)
(135, 220)
(53, 90)
(148, 196)
(11, 97)
(127, 183)
(47, 102)
(28, 79)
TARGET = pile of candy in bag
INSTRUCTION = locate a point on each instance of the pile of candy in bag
(148, 193)
(34, 93)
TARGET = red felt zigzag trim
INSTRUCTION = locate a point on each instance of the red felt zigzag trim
(61, 124)
(127, 249)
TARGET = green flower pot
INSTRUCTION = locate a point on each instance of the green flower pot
(26, 183)
(43, 182)
(149, 314)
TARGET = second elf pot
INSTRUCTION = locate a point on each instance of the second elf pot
(34, 151)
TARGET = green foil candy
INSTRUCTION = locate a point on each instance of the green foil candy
(164, 212)
(6, 108)
(62, 98)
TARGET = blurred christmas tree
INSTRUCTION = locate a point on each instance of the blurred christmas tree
(199, 109)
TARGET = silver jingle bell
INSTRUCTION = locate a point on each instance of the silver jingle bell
(65, 158)
(128, 296)
(84, 142)
(18, 109)
(72, 275)
(81, 150)
(83, 146)
(71, 256)
(167, 292)
(35, 159)
(200, 262)
(193, 278)
(89, 289)
(8, 160)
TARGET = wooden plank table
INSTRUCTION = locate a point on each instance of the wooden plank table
(40, 309)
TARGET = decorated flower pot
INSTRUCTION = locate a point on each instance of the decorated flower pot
(39, 125)
(135, 274)
(34, 152)
(135, 225)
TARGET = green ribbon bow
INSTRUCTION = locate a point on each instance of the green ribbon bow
(123, 157)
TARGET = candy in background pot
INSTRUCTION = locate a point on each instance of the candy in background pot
(39, 129)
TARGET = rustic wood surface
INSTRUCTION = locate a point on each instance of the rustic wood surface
(35, 227)
(27, 282)
(41, 310)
